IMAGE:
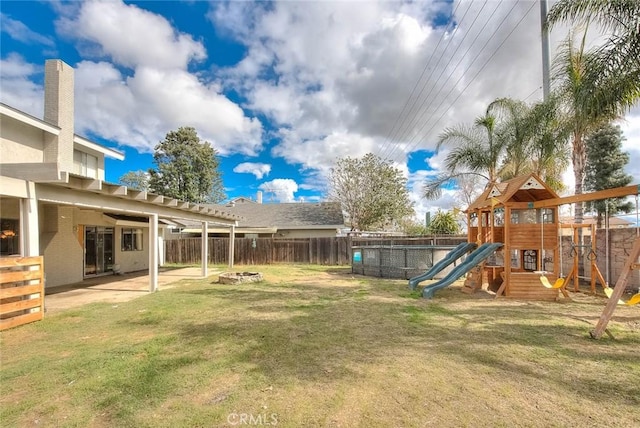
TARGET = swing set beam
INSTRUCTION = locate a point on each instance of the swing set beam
(621, 284)
(617, 192)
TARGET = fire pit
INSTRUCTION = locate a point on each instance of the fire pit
(239, 277)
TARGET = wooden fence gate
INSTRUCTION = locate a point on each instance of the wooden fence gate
(21, 291)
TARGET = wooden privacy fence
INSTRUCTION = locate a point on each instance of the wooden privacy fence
(321, 251)
(21, 291)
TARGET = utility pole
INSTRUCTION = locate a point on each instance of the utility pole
(546, 85)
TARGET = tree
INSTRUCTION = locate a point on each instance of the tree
(548, 145)
(475, 151)
(614, 66)
(600, 85)
(511, 131)
(581, 111)
(187, 168)
(444, 223)
(469, 188)
(412, 227)
(605, 169)
(137, 180)
(372, 192)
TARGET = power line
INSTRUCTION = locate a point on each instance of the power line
(390, 137)
(422, 111)
(472, 79)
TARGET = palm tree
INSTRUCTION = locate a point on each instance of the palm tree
(582, 111)
(548, 146)
(614, 66)
(512, 132)
(511, 139)
(476, 152)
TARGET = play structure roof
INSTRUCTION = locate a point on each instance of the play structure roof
(525, 188)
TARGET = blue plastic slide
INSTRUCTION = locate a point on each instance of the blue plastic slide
(473, 260)
(453, 255)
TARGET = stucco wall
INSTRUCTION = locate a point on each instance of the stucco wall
(131, 261)
(20, 142)
(63, 253)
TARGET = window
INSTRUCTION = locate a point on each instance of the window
(9, 236)
(85, 164)
(498, 217)
(131, 239)
(530, 262)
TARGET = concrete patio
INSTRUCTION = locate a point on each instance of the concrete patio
(115, 288)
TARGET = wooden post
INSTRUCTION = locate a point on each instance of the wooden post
(576, 263)
(204, 251)
(506, 252)
(621, 284)
(153, 252)
(232, 241)
(594, 268)
(479, 239)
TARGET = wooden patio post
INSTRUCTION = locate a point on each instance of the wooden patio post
(205, 248)
(232, 239)
(153, 252)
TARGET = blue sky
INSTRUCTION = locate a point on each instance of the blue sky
(281, 89)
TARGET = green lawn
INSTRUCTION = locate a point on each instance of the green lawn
(316, 346)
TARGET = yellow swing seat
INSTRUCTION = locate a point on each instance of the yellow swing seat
(545, 281)
(634, 300)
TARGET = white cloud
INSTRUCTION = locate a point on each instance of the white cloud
(17, 88)
(339, 85)
(280, 189)
(20, 32)
(631, 129)
(139, 110)
(256, 168)
(131, 36)
(159, 94)
(322, 153)
(332, 85)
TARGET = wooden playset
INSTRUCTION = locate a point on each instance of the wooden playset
(522, 214)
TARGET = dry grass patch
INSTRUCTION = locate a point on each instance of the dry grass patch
(315, 346)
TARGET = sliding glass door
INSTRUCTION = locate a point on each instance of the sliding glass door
(98, 250)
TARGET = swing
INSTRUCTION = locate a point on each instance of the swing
(634, 300)
(545, 281)
(559, 283)
(608, 291)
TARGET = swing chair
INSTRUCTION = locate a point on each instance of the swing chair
(634, 300)
(608, 291)
(559, 283)
(545, 281)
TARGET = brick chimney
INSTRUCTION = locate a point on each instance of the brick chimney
(58, 110)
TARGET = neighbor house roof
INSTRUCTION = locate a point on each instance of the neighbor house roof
(321, 215)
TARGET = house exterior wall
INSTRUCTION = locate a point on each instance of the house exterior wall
(132, 261)
(21, 143)
(127, 261)
(63, 253)
(98, 155)
(62, 240)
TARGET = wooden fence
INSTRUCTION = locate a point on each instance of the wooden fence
(21, 291)
(321, 251)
